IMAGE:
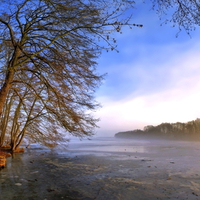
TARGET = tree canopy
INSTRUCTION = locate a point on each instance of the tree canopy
(48, 51)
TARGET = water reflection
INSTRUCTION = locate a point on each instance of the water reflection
(12, 176)
(20, 177)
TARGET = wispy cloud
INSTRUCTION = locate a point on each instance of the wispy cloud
(162, 85)
(155, 78)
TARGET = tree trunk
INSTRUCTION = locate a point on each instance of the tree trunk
(9, 78)
(5, 89)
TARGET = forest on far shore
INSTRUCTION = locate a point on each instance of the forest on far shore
(184, 131)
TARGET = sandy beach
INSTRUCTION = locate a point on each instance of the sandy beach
(136, 171)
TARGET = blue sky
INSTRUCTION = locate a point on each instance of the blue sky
(154, 78)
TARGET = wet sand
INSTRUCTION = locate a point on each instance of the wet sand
(163, 172)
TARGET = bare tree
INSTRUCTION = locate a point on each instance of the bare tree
(55, 44)
(182, 13)
(25, 116)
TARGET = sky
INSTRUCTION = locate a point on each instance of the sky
(154, 78)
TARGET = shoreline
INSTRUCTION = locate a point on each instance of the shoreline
(5, 152)
(3, 157)
(2, 160)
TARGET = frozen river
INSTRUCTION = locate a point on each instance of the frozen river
(105, 168)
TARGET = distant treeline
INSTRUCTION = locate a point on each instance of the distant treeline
(186, 131)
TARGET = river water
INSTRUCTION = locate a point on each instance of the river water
(104, 168)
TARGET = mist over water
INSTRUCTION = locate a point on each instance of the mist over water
(108, 144)
(100, 145)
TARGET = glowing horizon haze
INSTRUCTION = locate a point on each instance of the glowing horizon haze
(154, 78)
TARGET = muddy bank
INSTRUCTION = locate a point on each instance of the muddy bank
(164, 173)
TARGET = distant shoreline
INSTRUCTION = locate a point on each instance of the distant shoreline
(172, 131)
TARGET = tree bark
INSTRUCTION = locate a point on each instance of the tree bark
(9, 78)
(5, 89)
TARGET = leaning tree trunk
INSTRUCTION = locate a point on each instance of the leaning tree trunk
(5, 89)
(8, 81)
(9, 77)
